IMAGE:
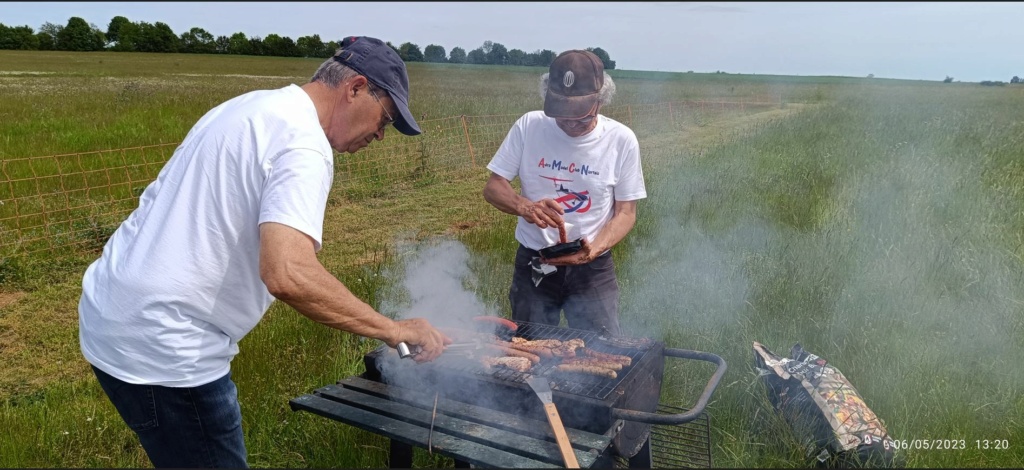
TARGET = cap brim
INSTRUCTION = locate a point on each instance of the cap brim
(569, 107)
(404, 122)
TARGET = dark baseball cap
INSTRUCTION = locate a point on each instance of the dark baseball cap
(575, 79)
(382, 66)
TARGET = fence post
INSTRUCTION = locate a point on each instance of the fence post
(671, 117)
(465, 128)
(629, 112)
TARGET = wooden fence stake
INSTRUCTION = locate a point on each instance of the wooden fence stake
(469, 143)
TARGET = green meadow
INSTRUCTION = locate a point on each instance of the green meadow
(878, 223)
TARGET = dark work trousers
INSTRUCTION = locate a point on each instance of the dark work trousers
(182, 427)
(589, 294)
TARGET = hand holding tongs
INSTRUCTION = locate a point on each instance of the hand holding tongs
(462, 347)
(404, 351)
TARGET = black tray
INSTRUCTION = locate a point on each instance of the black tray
(561, 249)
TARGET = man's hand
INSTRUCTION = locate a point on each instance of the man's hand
(543, 213)
(419, 332)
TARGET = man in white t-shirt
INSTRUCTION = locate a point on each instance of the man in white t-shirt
(580, 177)
(234, 220)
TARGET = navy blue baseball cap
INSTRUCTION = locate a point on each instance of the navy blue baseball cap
(382, 66)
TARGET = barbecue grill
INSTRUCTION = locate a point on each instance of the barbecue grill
(491, 417)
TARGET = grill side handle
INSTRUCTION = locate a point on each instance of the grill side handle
(681, 418)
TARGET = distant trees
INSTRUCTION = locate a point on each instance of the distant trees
(1015, 79)
(410, 52)
(609, 64)
(993, 83)
(18, 38)
(457, 56)
(313, 46)
(280, 46)
(78, 35)
(114, 28)
(498, 55)
(197, 41)
(948, 79)
(434, 53)
(125, 35)
(477, 56)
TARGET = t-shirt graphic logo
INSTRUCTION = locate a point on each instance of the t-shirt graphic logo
(568, 79)
(572, 200)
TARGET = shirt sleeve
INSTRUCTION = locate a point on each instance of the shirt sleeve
(296, 189)
(630, 186)
(509, 157)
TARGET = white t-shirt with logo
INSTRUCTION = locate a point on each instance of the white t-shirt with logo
(586, 174)
(178, 283)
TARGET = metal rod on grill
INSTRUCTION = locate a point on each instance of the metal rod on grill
(430, 434)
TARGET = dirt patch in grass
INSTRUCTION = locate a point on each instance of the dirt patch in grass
(39, 339)
(9, 298)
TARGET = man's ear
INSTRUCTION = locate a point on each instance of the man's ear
(356, 85)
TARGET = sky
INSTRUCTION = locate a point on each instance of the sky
(969, 41)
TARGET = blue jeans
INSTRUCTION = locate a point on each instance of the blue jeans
(588, 294)
(182, 427)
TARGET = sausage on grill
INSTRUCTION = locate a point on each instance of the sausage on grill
(624, 360)
(590, 361)
(585, 369)
(518, 364)
(513, 352)
(538, 350)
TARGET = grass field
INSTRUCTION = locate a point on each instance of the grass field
(879, 225)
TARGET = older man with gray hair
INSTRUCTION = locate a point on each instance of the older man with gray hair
(580, 179)
(233, 221)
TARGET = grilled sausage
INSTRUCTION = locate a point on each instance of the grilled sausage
(624, 360)
(510, 351)
(590, 361)
(502, 326)
(541, 351)
(518, 364)
(584, 369)
(544, 343)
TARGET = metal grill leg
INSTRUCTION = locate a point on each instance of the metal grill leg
(401, 455)
(643, 459)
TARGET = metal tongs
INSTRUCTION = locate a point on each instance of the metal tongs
(469, 348)
(465, 348)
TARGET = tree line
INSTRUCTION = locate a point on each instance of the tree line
(124, 35)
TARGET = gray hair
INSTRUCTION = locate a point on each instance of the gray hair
(332, 73)
(606, 94)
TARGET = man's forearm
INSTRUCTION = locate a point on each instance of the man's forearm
(617, 228)
(500, 194)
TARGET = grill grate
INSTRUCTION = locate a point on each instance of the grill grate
(576, 384)
(681, 446)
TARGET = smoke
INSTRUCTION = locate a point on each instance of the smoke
(437, 284)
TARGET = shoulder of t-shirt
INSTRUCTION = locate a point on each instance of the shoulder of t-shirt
(613, 127)
(532, 118)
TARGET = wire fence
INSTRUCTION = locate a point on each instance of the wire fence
(75, 201)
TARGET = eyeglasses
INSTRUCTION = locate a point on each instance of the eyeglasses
(579, 122)
(386, 113)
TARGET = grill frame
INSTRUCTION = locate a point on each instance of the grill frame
(592, 387)
(625, 406)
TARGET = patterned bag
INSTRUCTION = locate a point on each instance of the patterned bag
(824, 410)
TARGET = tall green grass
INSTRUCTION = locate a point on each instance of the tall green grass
(880, 229)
